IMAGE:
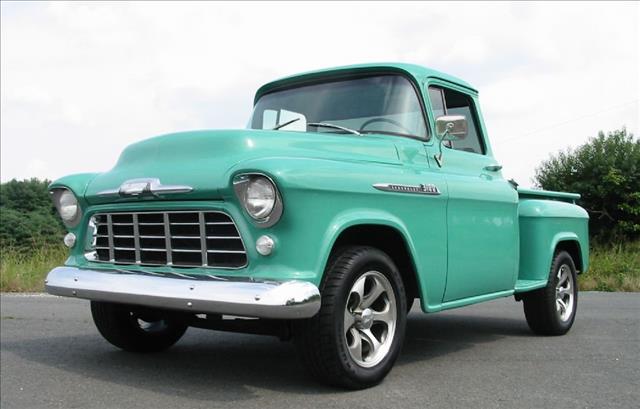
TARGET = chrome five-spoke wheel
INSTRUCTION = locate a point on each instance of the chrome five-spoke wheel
(564, 293)
(370, 319)
(357, 335)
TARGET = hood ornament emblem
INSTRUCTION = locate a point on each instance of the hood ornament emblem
(145, 187)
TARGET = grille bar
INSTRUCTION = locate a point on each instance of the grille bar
(203, 239)
(136, 237)
(167, 238)
(180, 239)
(111, 245)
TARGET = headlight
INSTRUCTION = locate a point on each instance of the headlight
(67, 205)
(260, 198)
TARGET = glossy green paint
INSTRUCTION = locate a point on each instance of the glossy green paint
(208, 156)
(475, 241)
(543, 225)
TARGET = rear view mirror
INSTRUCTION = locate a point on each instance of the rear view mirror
(451, 127)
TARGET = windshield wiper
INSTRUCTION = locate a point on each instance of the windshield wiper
(328, 125)
(391, 133)
(275, 128)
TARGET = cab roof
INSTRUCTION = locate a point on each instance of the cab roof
(416, 72)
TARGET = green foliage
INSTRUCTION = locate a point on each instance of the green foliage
(28, 219)
(606, 172)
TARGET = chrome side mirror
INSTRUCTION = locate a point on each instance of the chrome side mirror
(451, 127)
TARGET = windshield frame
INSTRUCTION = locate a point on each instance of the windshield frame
(358, 74)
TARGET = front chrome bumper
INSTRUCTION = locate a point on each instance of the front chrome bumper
(197, 294)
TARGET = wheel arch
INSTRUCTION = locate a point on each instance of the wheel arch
(572, 246)
(385, 233)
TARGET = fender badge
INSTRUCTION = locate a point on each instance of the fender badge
(421, 189)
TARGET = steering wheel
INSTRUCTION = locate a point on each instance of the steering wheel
(385, 120)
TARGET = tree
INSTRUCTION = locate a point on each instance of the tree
(27, 216)
(606, 172)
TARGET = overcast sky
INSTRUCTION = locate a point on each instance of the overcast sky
(80, 81)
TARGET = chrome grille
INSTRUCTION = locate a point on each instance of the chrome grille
(181, 239)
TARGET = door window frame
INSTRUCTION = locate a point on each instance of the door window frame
(472, 107)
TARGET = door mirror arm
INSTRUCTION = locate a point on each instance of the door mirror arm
(449, 128)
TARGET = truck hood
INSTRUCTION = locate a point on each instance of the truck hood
(204, 160)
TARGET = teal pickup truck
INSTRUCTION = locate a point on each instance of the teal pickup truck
(352, 192)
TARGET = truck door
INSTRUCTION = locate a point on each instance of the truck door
(482, 216)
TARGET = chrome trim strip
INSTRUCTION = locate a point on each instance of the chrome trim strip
(112, 255)
(421, 189)
(204, 294)
(203, 239)
(136, 237)
(167, 238)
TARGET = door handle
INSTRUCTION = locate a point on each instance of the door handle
(493, 168)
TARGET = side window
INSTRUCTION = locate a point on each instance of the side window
(437, 103)
(447, 102)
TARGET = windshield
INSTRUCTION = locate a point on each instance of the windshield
(377, 104)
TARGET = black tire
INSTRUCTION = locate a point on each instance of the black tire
(544, 315)
(123, 327)
(322, 340)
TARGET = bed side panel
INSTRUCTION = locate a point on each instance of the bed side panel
(544, 224)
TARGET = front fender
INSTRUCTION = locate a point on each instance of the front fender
(322, 198)
(77, 183)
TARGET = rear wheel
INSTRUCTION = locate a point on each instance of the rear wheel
(356, 337)
(552, 310)
(134, 329)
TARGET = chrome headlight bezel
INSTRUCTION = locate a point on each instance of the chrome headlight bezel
(67, 205)
(243, 182)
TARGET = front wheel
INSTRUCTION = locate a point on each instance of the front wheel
(552, 310)
(136, 330)
(357, 335)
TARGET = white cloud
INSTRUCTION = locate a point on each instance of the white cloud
(82, 80)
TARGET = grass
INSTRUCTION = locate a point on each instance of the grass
(613, 268)
(22, 272)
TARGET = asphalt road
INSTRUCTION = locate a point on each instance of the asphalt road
(481, 356)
